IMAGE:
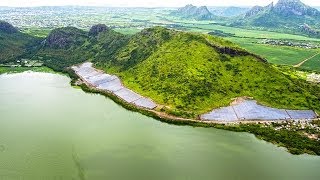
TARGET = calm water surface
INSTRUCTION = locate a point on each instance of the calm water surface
(49, 130)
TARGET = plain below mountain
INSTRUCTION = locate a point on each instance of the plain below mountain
(228, 11)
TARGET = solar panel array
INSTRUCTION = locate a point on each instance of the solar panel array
(222, 114)
(113, 84)
(128, 95)
(305, 114)
(250, 110)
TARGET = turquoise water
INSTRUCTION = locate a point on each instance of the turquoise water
(49, 130)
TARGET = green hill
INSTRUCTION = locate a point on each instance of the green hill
(192, 73)
(62, 48)
(68, 46)
(14, 44)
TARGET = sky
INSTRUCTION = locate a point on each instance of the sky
(143, 3)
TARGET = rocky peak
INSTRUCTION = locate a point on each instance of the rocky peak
(203, 10)
(7, 28)
(191, 11)
(254, 11)
(96, 29)
(189, 6)
(187, 9)
(294, 7)
(289, 1)
(270, 6)
(63, 37)
(309, 30)
(257, 9)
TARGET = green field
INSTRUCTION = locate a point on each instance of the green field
(129, 31)
(282, 55)
(239, 32)
(10, 70)
(312, 64)
(38, 32)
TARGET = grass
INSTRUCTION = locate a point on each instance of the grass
(38, 32)
(281, 55)
(129, 31)
(10, 70)
(12, 46)
(312, 64)
(240, 32)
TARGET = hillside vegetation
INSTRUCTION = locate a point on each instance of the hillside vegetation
(193, 73)
(14, 44)
(188, 73)
(68, 46)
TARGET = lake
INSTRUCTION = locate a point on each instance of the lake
(50, 130)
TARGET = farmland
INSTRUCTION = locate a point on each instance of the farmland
(312, 64)
(282, 55)
(40, 21)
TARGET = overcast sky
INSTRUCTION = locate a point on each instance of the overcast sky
(143, 3)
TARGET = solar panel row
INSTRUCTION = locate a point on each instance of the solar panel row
(113, 84)
(250, 110)
(222, 114)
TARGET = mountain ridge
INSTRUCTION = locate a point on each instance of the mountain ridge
(289, 15)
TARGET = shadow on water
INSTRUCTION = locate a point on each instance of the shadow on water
(76, 160)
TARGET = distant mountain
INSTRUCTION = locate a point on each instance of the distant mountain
(193, 12)
(256, 10)
(228, 11)
(295, 8)
(287, 15)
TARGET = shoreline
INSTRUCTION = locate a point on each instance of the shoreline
(260, 129)
(296, 142)
(156, 114)
(164, 115)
